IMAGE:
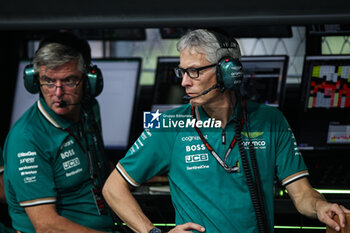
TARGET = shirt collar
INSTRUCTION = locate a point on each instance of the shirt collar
(52, 117)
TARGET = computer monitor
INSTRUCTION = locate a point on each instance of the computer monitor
(264, 81)
(117, 100)
(22, 99)
(325, 102)
(326, 82)
(168, 92)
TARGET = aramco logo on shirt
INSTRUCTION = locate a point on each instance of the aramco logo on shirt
(152, 120)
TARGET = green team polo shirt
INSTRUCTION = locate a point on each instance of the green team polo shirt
(202, 191)
(45, 164)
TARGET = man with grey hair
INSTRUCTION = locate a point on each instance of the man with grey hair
(54, 165)
(222, 179)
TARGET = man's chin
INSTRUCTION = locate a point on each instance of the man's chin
(60, 111)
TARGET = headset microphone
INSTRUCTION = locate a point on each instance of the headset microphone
(188, 98)
(64, 104)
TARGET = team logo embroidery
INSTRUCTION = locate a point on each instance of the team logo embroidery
(252, 134)
(196, 158)
(255, 139)
(151, 120)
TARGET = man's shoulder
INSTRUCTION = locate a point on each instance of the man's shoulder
(259, 108)
(27, 119)
(29, 126)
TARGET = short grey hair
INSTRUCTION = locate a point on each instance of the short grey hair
(55, 54)
(205, 42)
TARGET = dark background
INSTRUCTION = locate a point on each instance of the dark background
(21, 21)
(42, 14)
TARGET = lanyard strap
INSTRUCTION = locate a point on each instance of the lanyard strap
(210, 148)
(87, 151)
(69, 130)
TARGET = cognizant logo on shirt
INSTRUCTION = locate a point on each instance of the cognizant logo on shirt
(152, 120)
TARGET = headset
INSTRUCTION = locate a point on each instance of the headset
(229, 70)
(93, 84)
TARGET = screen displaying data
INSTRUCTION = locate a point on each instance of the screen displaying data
(325, 100)
(327, 81)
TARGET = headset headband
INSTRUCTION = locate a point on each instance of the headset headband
(229, 71)
(94, 82)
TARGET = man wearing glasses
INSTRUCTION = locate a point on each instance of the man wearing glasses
(221, 178)
(54, 165)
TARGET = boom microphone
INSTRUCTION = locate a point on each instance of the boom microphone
(188, 98)
(64, 104)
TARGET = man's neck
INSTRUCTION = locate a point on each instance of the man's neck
(74, 115)
(221, 108)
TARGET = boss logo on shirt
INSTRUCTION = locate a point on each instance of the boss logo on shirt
(67, 153)
(195, 147)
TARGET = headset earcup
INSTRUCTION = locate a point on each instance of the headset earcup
(30, 80)
(95, 81)
(230, 73)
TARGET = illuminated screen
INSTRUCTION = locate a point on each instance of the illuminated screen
(117, 100)
(264, 81)
(325, 114)
(22, 98)
(327, 81)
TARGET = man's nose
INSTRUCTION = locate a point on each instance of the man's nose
(186, 80)
(59, 89)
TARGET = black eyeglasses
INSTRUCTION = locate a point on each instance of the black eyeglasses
(68, 84)
(192, 72)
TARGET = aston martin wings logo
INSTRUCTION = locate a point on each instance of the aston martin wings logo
(252, 134)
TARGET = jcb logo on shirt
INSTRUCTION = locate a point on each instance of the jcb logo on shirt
(71, 163)
(195, 147)
(196, 158)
